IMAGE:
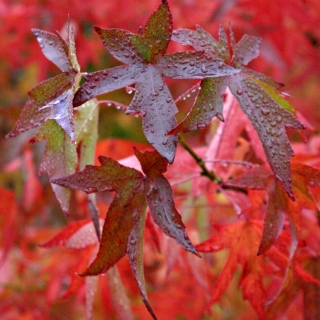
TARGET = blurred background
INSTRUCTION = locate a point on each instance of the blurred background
(290, 53)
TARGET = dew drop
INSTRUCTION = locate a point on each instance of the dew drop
(239, 92)
(201, 125)
(264, 111)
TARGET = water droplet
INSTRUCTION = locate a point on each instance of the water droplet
(220, 65)
(204, 68)
(239, 92)
(201, 125)
(264, 111)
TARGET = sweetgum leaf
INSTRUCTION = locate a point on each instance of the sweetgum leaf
(43, 105)
(124, 212)
(118, 43)
(270, 120)
(155, 103)
(268, 112)
(52, 99)
(133, 192)
(108, 80)
(279, 203)
(147, 65)
(159, 196)
(72, 48)
(203, 41)
(246, 50)
(59, 158)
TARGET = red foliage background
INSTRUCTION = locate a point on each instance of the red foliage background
(33, 279)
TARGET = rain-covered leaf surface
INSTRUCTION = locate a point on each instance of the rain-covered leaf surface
(268, 112)
(50, 107)
(123, 228)
(148, 64)
(52, 98)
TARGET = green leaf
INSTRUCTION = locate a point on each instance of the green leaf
(59, 158)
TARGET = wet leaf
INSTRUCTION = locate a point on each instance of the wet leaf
(145, 54)
(268, 112)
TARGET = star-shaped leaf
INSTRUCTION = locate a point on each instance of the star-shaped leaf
(123, 228)
(279, 204)
(52, 98)
(256, 94)
(148, 64)
(51, 107)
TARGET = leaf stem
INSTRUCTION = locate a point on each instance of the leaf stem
(205, 172)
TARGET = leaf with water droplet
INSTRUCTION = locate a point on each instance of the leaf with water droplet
(269, 119)
(52, 99)
(246, 50)
(154, 38)
(124, 212)
(147, 66)
(54, 48)
(209, 104)
(153, 100)
(268, 112)
(159, 196)
(203, 41)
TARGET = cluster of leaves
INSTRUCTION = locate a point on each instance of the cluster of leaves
(66, 115)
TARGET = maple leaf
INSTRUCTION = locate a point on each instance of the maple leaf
(278, 203)
(267, 111)
(79, 235)
(242, 238)
(123, 228)
(147, 65)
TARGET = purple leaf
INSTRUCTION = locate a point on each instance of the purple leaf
(159, 196)
(246, 50)
(193, 65)
(269, 119)
(153, 100)
(54, 48)
(106, 81)
(209, 104)
(201, 40)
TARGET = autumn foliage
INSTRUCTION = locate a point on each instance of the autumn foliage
(160, 171)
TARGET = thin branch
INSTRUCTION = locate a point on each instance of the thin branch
(205, 172)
